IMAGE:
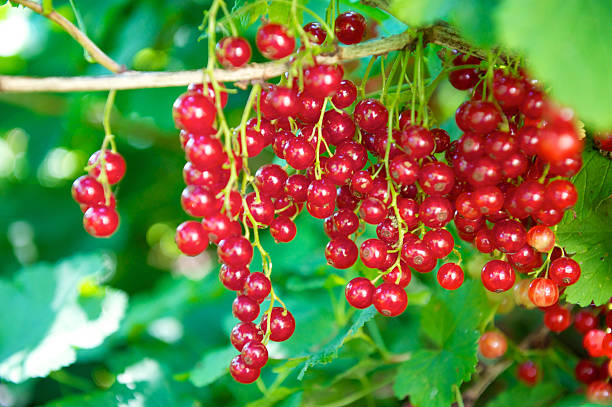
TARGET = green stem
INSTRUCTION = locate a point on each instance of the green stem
(229, 19)
(47, 6)
(365, 75)
(458, 396)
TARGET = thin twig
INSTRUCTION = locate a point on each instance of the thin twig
(92, 49)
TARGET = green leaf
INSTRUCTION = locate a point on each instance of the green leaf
(450, 323)
(575, 401)
(474, 18)
(584, 233)
(249, 14)
(280, 12)
(535, 396)
(330, 352)
(272, 397)
(53, 310)
(213, 365)
(567, 46)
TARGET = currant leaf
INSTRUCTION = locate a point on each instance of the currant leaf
(540, 395)
(584, 234)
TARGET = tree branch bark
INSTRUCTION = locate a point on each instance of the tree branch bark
(96, 53)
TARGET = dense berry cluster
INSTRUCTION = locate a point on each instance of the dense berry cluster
(92, 192)
(352, 162)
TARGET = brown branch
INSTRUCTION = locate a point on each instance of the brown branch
(139, 80)
(92, 49)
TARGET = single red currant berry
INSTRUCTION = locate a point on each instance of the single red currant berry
(233, 52)
(282, 324)
(450, 276)
(508, 90)
(205, 152)
(191, 239)
(309, 107)
(257, 286)
(86, 190)
(557, 319)
(541, 238)
(345, 95)
(274, 41)
(543, 292)
(408, 210)
(482, 117)
(492, 344)
(497, 276)
(296, 186)
(373, 253)
(370, 114)
(322, 80)
(299, 153)
(233, 278)
(441, 140)
(245, 308)
(561, 194)
(243, 333)
(321, 192)
(235, 251)
(316, 33)
(437, 179)
(528, 373)
(284, 101)
(593, 342)
(359, 292)
(403, 169)
(100, 221)
(350, 27)
(584, 321)
(372, 211)
(270, 180)
(533, 105)
(417, 141)
(387, 231)
(440, 242)
(355, 151)
(558, 142)
(510, 236)
(345, 222)
(586, 371)
(400, 275)
(254, 355)
(241, 372)
(564, 271)
(210, 94)
(283, 229)
(341, 253)
(600, 392)
(484, 241)
(194, 112)
(219, 227)
(198, 202)
(114, 166)
(436, 212)
(390, 299)
(488, 200)
(418, 256)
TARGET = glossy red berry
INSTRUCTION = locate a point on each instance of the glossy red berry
(416, 141)
(338, 127)
(509, 236)
(373, 253)
(114, 166)
(233, 278)
(86, 190)
(341, 253)
(296, 186)
(370, 114)
(254, 354)
(191, 239)
(584, 321)
(205, 152)
(402, 271)
(390, 299)
(600, 392)
(543, 292)
(283, 229)
(350, 27)
(561, 193)
(436, 212)
(241, 372)
(497, 276)
(194, 112)
(243, 333)
(418, 256)
(482, 117)
(322, 80)
(439, 241)
(541, 238)
(257, 286)
(586, 371)
(282, 324)
(492, 344)
(528, 373)
(299, 153)
(233, 52)
(436, 178)
(564, 271)
(345, 95)
(317, 33)
(450, 276)
(100, 221)
(309, 107)
(235, 251)
(274, 41)
(372, 211)
(359, 292)
(557, 319)
(593, 342)
(245, 308)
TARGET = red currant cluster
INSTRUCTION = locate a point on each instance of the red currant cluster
(512, 160)
(92, 192)
(597, 342)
